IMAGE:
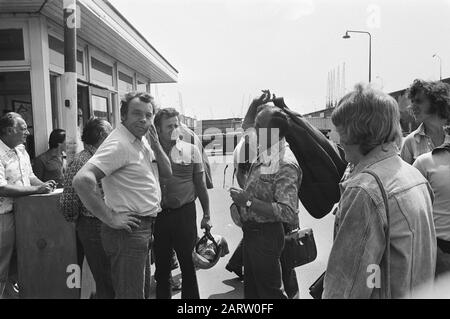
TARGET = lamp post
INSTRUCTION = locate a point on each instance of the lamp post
(440, 65)
(347, 36)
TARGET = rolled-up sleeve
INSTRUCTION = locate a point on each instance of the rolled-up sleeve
(357, 249)
(286, 184)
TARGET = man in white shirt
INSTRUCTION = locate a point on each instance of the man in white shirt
(128, 163)
(16, 179)
(435, 167)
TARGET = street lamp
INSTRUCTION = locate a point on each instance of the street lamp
(347, 36)
(440, 65)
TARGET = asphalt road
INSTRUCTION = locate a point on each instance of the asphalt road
(217, 282)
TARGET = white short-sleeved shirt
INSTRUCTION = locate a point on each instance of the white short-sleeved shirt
(435, 167)
(131, 181)
(15, 169)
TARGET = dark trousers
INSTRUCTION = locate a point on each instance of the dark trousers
(128, 254)
(263, 243)
(289, 276)
(89, 235)
(176, 229)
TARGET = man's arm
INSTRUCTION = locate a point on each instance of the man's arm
(85, 184)
(357, 249)
(285, 200)
(18, 190)
(202, 193)
(164, 166)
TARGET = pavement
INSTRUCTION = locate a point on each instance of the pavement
(217, 282)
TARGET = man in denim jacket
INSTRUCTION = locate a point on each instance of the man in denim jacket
(368, 124)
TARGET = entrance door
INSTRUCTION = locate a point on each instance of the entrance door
(101, 104)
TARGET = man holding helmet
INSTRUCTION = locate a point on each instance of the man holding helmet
(175, 226)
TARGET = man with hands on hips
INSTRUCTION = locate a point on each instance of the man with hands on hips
(128, 163)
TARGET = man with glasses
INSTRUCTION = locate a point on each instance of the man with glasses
(16, 179)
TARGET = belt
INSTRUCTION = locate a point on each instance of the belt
(444, 245)
(167, 210)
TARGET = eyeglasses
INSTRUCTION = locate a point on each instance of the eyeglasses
(226, 186)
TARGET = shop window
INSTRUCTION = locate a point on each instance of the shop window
(125, 83)
(101, 72)
(11, 45)
(141, 86)
(57, 46)
(15, 96)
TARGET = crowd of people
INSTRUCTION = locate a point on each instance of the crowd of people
(132, 191)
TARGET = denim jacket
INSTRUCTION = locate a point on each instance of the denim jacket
(357, 261)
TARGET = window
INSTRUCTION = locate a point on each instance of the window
(57, 46)
(101, 72)
(11, 45)
(125, 83)
(141, 86)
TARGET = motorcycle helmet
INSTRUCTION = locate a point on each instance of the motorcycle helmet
(208, 250)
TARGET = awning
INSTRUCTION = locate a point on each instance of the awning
(105, 28)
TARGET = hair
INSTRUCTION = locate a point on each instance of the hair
(369, 118)
(142, 96)
(8, 120)
(437, 92)
(95, 130)
(57, 136)
(167, 113)
(278, 118)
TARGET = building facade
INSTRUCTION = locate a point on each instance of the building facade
(112, 58)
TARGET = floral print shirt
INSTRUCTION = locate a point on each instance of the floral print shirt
(275, 179)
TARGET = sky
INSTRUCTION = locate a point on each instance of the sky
(227, 51)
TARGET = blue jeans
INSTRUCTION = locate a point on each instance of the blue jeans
(89, 234)
(263, 244)
(127, 254)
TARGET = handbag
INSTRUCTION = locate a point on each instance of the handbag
(316, 289)
(300, 247)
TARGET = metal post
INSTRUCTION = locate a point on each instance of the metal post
(69, 78)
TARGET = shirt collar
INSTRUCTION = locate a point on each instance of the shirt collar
(127, 133)
(420, 131)
(376, 155)
(5, 148)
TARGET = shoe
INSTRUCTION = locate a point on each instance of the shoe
(237, 271)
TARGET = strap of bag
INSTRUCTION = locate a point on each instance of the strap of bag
(387, 256)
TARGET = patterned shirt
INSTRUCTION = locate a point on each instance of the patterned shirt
(418, 143)
(15, 169)
(275, 179)
(70, 204)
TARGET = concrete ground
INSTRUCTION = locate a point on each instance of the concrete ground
(217, 282)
